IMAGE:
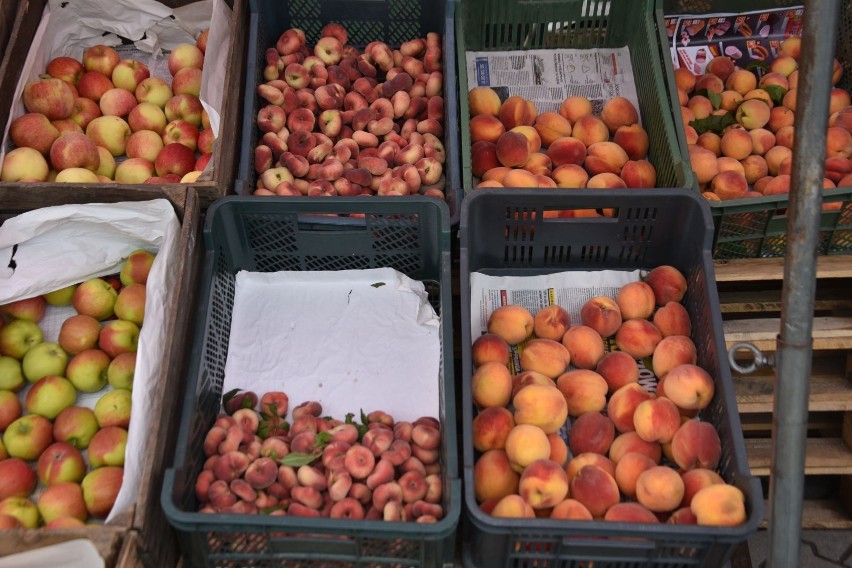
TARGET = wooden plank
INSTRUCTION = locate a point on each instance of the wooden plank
(828, 332)
(823, 456)
(820, 423)
(830, 390)
(738, 301)
(737, 270)
(820, 514)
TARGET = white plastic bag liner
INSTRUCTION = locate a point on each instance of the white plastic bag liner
(55, 247)
(77, 553)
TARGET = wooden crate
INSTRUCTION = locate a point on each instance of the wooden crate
(750, 301)
(24, 196)
(142, 530)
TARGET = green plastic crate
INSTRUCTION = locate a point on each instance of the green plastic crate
(411, 235)
(500, 25)
(754, 228)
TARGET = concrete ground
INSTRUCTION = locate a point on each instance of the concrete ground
(820, 548)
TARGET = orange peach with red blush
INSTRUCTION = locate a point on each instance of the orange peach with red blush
(566, 150)
(630, 513)
(525, 444)
(483, 100)
(579, 461)
(551, 322)
(605, 180)
(570, 176)
(591, 432)
(545, 356)
(695, 480)
(689, 386)
(489, 347)
(619, 111)
(491, 385)
(512, 322)
(486, 127)
(633, 139)
(584, 391)
(618, 369)
(575, 108)
(571, 509)
(526, 378)
(628, 469)
(551, 126)
(517, 111)
(493, 476)
(668, 283)
(491, 427)
(558, 449)
(483, 157)
(719, 505)
(623, 403)
(639, 174)
(605, 157)
(671, 352)
(543, 484)
(638, 338)
(635, 300)
(656, 420)
(696, 444)
(660, 489)
(589, 130)
(602, 314)
(585, 346)
(541, 406)
(596, 489)
(630, 442)
(673, 319)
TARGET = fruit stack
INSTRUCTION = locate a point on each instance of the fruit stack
(106, 119)
(65, 406)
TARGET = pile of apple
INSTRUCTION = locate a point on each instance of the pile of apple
(739, 128)
(61, 463)
(105, 119)
(258, 463)
(514, 146)
(632, 455)
(339, 121)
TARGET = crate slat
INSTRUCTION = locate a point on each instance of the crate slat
(830, 390)
(754, 269)
(823, 456)
(828, 332)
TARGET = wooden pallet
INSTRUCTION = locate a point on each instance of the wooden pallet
(750, 294)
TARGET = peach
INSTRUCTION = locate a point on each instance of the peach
(579, 461)
(488, 348)
(491, 427)
(541, 406)
(639, 174)
(775, 156)
(630, 513)
(517, 111)
(513, 507)
(483, 100)
(638, 338)
(703, 162)
(727, 164)
(618, 111)
(493, 476)
(628, 469)
(671, 352)
(690, 134)
(591, 432)
(696, 444)
(695, 480)
(618, 369)
(545, 356)
(722, 67)
(512, 149)
(595, 489)
(719, 505)
(526, 378)
(778, 185)
(700, 106)
(566, 150)
(710, 141)
(589, 130)
(551, 126)
(689, 386)
(736, 144)
(584, 391)
(684, 79)
(635, 300)
(539, 164)
(668, 283)
(633, 139)
(519, 178)
(543, 484)
(585, 346)
(656, 420)
(759, 95)
(838, 100)
(753, 113)
(729, 185)
(558, 448)
(659, 488)
(682, 516)
(780, 117)
(575, 108)
(570, 176)
(628, 442)
(709, 82)
(742, 81)
(730, 100)
(531, 134)
(491, 385)
(483, 157)
(754, 168)
(601, 314)
(790, 99)
(511, 322)
(838, 142)
(486, 127)
(570, 509)
(605, 157)
(551, 322)
(710, 196)
(525, 444)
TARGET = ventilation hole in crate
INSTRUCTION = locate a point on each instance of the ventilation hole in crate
(391, 551)
(227, 544)
(266, 234)
(337, 262)
(277, 262)
(594, 253)
(405, 9)
(409, 264)
(557, 255)
(773, 246)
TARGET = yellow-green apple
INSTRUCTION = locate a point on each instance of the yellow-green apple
(181, 132)
(719, 505)
(107, 447)
(24, 164)
(128, 73)
(22, 509)
(107, 167)
(176, 159)
(117, 102)
(66, 68)
(186, 107)
(74, 150)
(28, 436)
(31, 309)
(33, 130)
(79, 333)
(87, 370)
(54, 98)
(11, 374)
(113, 409)
(77, 175)
(111, 132)
(19, 336)
(513, 323)
(118, 336)
(93, 85)
(101, 58)
(17, 478)
(62, 500)
(100, 489)
(136, 268)
(121, 371)
(184, 55)
(187, 81)
(134, 170)
(153, 90)
(75, 425)
(96, 298)
(61, 297)
(60, 462)
(543, 484)
(130, 304)
(147, 116)
(49, 396)
(10, 408)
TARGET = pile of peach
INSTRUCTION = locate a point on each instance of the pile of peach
(337, 121)
(632, 455)
(512, 145)
(258, 463)
(752, 156)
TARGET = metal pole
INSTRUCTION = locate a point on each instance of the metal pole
(794, 345)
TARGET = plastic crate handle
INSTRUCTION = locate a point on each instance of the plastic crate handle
(363, 10)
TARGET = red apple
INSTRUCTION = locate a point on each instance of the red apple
(54, 98)
(60, 462)
(101, 58)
